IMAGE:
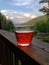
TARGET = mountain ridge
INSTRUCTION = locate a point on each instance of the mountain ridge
(33, 21)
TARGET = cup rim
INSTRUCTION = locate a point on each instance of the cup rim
(24, 26)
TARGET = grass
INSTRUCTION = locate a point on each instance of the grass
(44, 38)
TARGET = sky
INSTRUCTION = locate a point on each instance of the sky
(25, 6)
(21, 9)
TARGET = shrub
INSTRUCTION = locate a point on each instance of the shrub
(41, 26)
(9, 26)
(45, 39)
(6, 24)
(47, 26)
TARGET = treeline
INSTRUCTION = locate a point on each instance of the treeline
(6, 24)
(42, 26)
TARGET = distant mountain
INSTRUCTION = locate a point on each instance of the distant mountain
(33, 21)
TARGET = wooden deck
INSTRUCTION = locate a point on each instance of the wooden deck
(37, 53)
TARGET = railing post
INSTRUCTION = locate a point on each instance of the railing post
(3, 55)
(0, 51)
(16, 60)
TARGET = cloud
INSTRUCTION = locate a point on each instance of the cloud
(22, 2)
(3, 11)
(30, 15)
(18, 14)
(31, 5)
(18, 17)
(46, 5)
(26, 14)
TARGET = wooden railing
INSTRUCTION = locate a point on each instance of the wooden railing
(12, 54)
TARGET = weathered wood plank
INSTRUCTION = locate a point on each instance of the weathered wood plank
(33, 51)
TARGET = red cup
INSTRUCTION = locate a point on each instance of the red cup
(24, 37)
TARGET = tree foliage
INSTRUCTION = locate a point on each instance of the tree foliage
(45, 26)
(45, 9)
(2, 20)
(42, 26)
(6, 24)
(10, 26)
(44, 1)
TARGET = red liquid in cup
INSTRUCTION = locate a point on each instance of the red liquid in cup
(24, 37)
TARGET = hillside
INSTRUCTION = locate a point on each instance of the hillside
(33, 21)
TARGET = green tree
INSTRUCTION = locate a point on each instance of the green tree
(40, 26)
(6, 24)
(9, 26)
(3, 21)
(45, 9)
(0, 22)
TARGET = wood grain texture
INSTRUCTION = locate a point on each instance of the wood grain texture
(34, 51)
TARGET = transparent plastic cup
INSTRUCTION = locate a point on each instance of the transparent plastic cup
(24, 34)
